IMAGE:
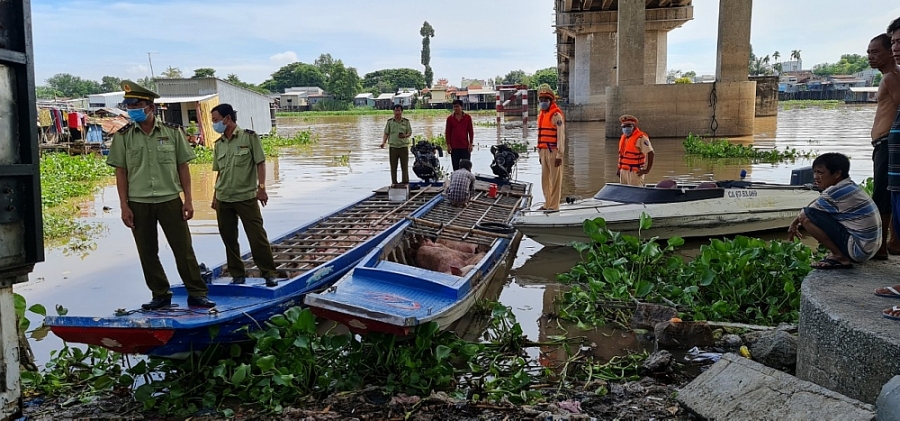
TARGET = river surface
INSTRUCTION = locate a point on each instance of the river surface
(104, 273)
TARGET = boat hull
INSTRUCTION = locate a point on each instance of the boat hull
(388, 294)
(179, 331)
(737, 211)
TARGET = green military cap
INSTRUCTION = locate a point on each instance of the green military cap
(135, 93)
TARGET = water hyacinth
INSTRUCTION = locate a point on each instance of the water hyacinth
(722, 148)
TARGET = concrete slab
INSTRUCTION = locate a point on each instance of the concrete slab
(845, 344)
(736, 388)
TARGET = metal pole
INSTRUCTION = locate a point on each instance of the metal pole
(524, 93)
(152, 76)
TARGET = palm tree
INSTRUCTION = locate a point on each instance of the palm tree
(795, 54)
(776, 55)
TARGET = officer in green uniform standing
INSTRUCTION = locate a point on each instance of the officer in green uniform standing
(240, 183)
(396, 134)
(151, 162)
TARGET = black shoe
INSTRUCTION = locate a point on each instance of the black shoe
(200, 302)
(158, 303)
(271, 282)
(238, 280)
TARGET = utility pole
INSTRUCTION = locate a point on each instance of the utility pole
(152, 76)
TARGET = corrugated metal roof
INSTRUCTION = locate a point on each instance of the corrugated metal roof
(182, 99)
(864, 89)
(364, 95)
(385, 96)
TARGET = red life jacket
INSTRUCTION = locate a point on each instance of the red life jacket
(630, 156)
(547, 131)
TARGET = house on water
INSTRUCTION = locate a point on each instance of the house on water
(186, 100)
(365, 99)
(384, 101)
(406, 99)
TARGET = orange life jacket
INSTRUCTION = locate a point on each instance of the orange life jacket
(630, 156)
(547, 131)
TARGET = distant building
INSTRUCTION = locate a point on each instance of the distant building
(317, 98)
(791, 66)
(107, 100)
(186, 100)
(482, 99)
(868, 75)
(384, 101)
(406, 99)
(366, 99)
(472, 83)
(293, 101)
(863, 94)
(439, 95)
(309, 90)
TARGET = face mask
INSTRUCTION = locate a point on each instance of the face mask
(627, 131)
(137, 115)
(219, 126)
(545, 106)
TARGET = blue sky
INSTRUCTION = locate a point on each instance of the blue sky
(473, 39)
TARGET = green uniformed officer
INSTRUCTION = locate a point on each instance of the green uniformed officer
(240, 183)
(151, 161)
(396, 134)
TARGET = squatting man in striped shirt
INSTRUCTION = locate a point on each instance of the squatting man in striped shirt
(462, 184)
(844, 218)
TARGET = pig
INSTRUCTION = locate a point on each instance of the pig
(474, 259)
(439, 258)
(461, 271)
(458, 245)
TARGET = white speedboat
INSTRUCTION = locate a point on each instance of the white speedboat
(691, 209)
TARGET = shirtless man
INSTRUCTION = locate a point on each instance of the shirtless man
(879, 54)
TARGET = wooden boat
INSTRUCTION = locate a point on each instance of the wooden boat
(686, 210)
(390, 292)
(308, 259)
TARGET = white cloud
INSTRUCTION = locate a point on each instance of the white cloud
(286, 57)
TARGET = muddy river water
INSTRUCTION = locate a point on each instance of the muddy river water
(306, 183)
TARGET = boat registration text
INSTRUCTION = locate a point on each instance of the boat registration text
(742, 193)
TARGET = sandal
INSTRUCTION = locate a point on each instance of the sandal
(892, 313)
(891, 292)
(827, 264)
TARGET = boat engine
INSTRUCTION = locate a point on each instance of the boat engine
(426, 164)
(504, 160)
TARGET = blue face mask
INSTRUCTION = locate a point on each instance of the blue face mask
(219, 126)
(627, 131)
(137, 115)
(545, 105)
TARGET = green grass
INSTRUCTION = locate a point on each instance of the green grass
(270, 145)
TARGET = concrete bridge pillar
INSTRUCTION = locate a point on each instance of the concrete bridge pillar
(656, 48)
(733, 52)
(630, 52)
(593, 71)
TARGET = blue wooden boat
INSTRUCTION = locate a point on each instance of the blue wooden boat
(309, 258)
(393, 289)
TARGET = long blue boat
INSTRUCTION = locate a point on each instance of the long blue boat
(308, 258)
(405, 282)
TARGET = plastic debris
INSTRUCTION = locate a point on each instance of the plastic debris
(696, 355)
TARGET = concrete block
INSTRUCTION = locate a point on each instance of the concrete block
(736, 388)
(844, 343)
(888, 402)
